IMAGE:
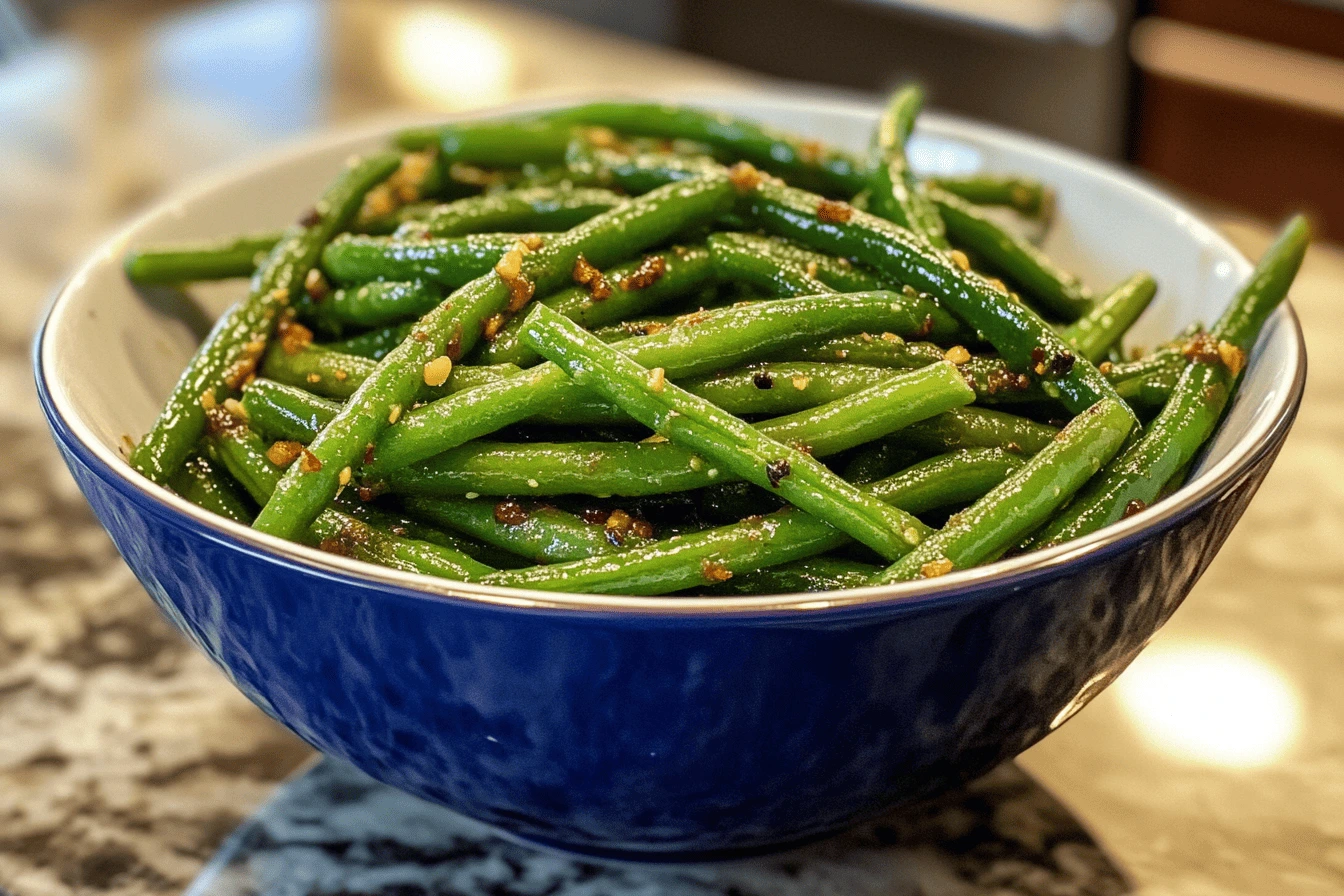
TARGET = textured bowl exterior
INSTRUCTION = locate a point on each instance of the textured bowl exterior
(637, 735)
(660, 727)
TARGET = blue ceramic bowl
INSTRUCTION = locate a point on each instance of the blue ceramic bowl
(663, 727)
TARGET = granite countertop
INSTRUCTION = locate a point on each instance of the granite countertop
(126, 759)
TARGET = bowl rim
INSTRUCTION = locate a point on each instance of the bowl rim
(1263, 436)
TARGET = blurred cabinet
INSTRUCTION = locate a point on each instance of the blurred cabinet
(1242, 101)
(1057, 68)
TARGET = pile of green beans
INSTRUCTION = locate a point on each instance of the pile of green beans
(626, 348)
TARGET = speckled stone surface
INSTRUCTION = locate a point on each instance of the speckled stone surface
(335, 831)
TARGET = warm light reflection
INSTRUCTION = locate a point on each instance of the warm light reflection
(1213, 704)
(447, 59)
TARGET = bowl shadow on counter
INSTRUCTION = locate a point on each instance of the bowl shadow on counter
(335, 830)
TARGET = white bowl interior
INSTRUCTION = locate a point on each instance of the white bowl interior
(111, 354)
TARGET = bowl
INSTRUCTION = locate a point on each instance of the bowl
(662, 727)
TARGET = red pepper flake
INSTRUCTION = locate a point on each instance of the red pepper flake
(833, 211)
(368, 454)
(1038, 356)
(649, 272)
(310, 218)
(762, 379)
(1135, 506)
(715, 572)
(641, 529)
(585, 274)
(776, 470)
(510, 513)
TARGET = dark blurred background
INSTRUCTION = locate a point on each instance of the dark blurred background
(1240, 102)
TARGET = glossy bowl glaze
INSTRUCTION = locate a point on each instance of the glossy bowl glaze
(656, 727)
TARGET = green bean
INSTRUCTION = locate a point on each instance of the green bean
(540, 533)
(782, 387)
(976, 427)
(235, 344)
(652, 468)
(716, 555)
(1093, 334)
(719, 339)
(1022, 194)
(394, 384)
(320, 370)
(374, 304)
(805, 162)
(201, 484)
(243, 454)
(894, 193)
(1023, 501)
(452, 262)
(187, 262)
(535, 208)
(635, 287)
(493, 143)
(1040, 279)
(1136, 478)
(375, 343)
(782, 268)
(636, 174)
(812, 574)
(699, 426)
(1020, 336)
(946, 480)
(279, 411)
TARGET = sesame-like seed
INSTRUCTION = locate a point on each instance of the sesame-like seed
(801, 382)
(960, 259)
(208, 399)
(957, 354)
(314, 377)
(437, 371)
(340, 375)
(235, 408)
(697, 463)
(394, 414)
(472, 496)
(910, 534)
(532, 483)
(1105, 368)
(346, 473)
(657, 379)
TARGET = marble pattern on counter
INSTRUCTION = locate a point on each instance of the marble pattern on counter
(333, 830)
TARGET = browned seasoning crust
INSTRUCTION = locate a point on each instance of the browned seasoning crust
(649, 272)
(776, 470)
(833, 211)
(294, 336)
(713, 571)
(511, 513)
(283, 453)
(586, 275)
